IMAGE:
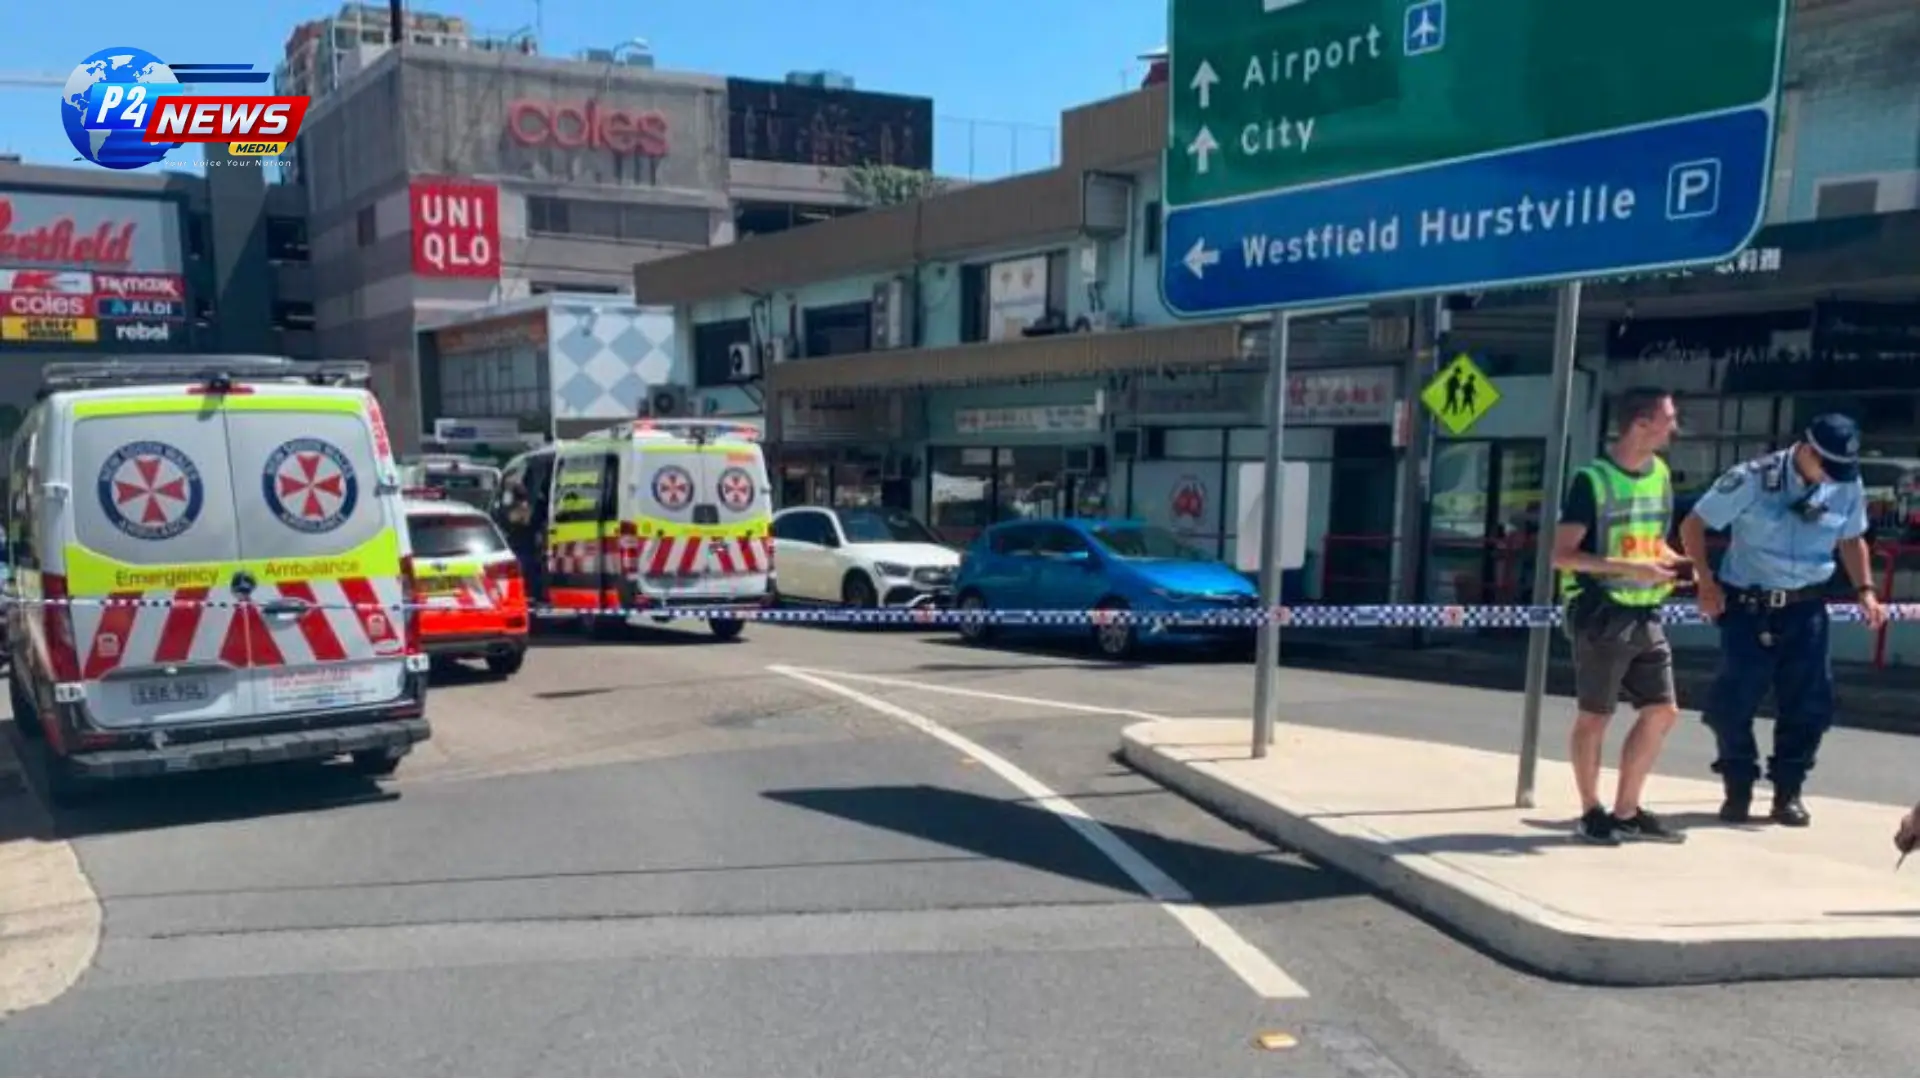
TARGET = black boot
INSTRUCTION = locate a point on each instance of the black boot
(1738, 807)
(1788, 810)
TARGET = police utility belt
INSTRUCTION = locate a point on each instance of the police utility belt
(1755, 600)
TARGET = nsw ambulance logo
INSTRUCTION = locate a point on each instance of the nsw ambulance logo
(310, 485)
(673, 487)
(151, 490)
(736, 489)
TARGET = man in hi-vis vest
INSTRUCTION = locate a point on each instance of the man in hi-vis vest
(1616, 570)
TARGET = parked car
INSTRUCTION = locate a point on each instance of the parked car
(862, 557)
(1074, 564)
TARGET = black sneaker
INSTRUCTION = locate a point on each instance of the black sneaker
(1597, 827)
(1645, 826)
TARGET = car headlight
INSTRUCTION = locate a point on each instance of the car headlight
(892, 569)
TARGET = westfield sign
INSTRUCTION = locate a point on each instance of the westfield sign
(60, 242)
(587, 125)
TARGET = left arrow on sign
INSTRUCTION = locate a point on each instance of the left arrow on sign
(1202, 148)
(1199, 257)
(1203, 83)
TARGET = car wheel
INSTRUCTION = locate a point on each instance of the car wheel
(726, 629)
(506, 663)
(977, 632)
(1116, 640)
(858, 592)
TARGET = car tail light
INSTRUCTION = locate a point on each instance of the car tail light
(416, 599)
(503, 578)
(628, 546)
(63, 654)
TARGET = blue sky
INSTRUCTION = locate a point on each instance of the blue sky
(1009, 66)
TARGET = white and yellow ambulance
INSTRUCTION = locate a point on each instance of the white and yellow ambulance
(650, 514)
(212, 570)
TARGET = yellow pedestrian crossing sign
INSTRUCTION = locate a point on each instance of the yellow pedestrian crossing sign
(1460, 395)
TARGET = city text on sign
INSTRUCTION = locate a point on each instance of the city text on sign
(456, 229)
(1338, 151)
(588, 125)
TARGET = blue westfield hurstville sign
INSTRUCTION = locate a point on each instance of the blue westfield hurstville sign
(1336, 151)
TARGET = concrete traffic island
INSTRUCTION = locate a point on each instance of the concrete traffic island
(1433, 825)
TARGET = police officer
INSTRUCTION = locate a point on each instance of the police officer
(1787, 513)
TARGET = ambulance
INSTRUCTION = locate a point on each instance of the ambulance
(212, 569)
(655, 513)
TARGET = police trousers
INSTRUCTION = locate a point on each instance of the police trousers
(1784, 648)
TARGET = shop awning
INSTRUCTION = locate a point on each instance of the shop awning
(1059, 356)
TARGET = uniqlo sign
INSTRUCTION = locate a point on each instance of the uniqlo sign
(456, 229)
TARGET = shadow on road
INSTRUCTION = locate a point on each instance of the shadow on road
(186, 799)
(1020, 833)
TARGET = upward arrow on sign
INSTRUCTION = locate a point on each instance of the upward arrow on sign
(1202, 149)
(1203, 81)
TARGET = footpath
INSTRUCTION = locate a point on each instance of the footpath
(1434, 826)
(49, 916)
(1875, 699)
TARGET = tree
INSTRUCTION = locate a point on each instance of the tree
(887, 185)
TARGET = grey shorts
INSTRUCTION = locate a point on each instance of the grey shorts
(1619, 653)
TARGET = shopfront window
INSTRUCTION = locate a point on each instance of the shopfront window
(495, 383)
(973, 487)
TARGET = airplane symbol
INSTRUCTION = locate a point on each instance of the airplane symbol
(1426, 27)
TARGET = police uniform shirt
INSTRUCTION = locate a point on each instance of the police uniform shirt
(1782, 530)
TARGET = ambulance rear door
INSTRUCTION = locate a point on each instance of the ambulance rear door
(736, 484)
(150, 562)
(674, 516)
(321, 538)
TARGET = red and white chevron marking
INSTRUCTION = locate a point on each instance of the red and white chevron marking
(661, 555)
(354, 619)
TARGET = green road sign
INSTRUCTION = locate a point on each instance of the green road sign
(1269, 94)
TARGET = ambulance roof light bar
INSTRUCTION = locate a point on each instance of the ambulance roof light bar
(708, 429)
(215, 371)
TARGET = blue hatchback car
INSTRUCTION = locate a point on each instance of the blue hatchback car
(1075, 564)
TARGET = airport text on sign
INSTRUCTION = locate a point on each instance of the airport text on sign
(1339, 150)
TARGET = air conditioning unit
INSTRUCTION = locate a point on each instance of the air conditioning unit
(663, 401)
(774, 351)
(743, 362)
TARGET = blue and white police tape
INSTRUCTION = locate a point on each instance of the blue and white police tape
(1331, 616)
(1327, 616)
(1316, 615)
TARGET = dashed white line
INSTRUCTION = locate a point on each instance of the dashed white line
(1213, 933)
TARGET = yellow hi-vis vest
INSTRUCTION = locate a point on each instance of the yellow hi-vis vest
(1632, 515)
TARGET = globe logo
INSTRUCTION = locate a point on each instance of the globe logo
(126, 66)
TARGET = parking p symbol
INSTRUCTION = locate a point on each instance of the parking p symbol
(1693, 189)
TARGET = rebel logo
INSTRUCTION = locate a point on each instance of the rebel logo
(142, 331)
(60, 241)
(589, 125)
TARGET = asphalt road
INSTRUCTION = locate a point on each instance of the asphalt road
(662, 857)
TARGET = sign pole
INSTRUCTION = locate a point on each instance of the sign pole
(1266, 707)
(1566, 341)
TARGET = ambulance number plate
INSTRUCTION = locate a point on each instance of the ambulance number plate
(182, 691)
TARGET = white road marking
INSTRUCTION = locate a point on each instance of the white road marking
(985, 695)
(1213, 933)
